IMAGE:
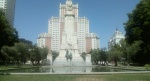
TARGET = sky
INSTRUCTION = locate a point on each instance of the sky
(31, 16)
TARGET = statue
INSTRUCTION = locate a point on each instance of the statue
(69, 44)
(68, 56)
(69, 5)
(49, 57)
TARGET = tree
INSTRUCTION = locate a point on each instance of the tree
(132, 50)
(5, 53)
(12, 54)
(115, 54)
(99, 55)
(54, 54)
(8, 34)
(129, 51)
(95, 56)
(44, 53)
(103, 56)
(35, 55)
(137, 29)
(17, 53)
(22, 53)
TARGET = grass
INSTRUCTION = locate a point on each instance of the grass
(115, 77)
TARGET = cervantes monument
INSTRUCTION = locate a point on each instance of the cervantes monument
(69, 52)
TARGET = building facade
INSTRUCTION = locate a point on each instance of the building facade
(44, 40)
(92, 42)
(115, 39)
(9, 8)
(56, 27)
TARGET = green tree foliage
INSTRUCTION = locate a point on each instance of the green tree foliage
(103, 56)
(22, 52)
(44, 53)
(17, 53)
(129, 51)
(9, 53)
(12, 54)
(5, 52)
(137, 29)
(37, 54)
(8, 34)
(132, 50)
(115, 54)
(99, 55)
(95, 56)
(54, 54)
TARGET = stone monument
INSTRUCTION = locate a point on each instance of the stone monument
(69, 53)
(49, 58)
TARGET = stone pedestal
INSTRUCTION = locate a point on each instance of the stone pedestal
(76, 60)
(49, 59)
(88, 60)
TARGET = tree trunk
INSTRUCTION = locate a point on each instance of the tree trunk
(38, 62)
(17, 62)
(6, 63)
(116, 64)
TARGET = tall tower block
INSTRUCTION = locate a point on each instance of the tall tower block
(9, 8)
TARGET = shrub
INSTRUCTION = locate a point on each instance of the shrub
(147, 66)
(7, 73)
(2, 73)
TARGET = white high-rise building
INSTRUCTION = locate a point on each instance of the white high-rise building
(56, 27)
(9, 8)
(115, 39)
(44, 40)
(92, 42)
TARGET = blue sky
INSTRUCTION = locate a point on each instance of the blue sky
(31, 16)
